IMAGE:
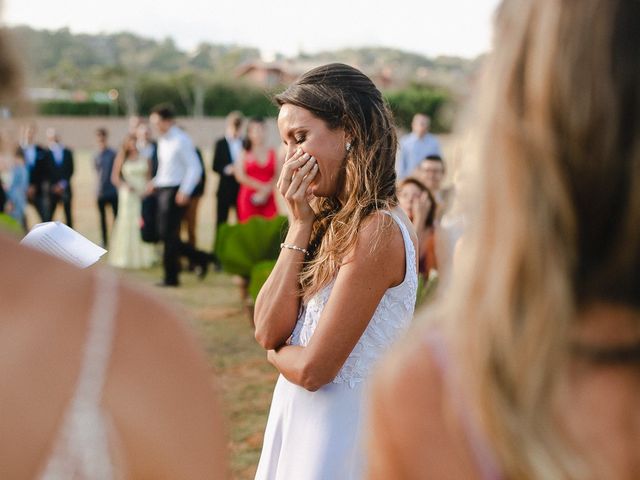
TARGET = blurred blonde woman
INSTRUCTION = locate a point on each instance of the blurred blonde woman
(100, 381)
(531, 370)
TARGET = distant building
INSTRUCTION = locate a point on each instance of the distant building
(273, 74)
(267, 74)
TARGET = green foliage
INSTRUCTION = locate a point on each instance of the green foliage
(67, 107)
(10, 225)
(419, 98)
(241, 247)
(222, 98)
(151, 92)
(259, 274)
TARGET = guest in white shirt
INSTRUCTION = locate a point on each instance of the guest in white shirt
(178, 174)
(416, 146)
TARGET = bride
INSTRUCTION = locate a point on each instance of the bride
(344, 286)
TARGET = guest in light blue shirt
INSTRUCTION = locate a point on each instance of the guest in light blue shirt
(416, 146)
(17, 194)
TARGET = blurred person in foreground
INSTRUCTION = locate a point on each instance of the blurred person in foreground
(226, 153)
(344, 286)
(529, 368)
(107, 194)
(90, 391)
(416, 146)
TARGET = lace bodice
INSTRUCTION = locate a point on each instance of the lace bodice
(390, 319)
(81, 449)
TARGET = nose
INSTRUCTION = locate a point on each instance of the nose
(291, 149)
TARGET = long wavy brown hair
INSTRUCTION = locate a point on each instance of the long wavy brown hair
(554, 217)
(344, 97)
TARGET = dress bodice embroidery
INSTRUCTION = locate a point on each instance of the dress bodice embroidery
(390, 319)
(81, 449)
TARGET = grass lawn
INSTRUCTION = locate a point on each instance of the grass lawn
(245, 379)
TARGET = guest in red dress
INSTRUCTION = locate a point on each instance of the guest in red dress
(256, 172)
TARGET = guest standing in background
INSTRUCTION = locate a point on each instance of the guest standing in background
(130, 175)
(431, 173)
(40, 168)
(227, 151)
(107, 193)
(190, 220)
(416, 146)
(178, 175)
(418, 204)
(256, 172)
(147, 147)
(62, 172)
(17, 192)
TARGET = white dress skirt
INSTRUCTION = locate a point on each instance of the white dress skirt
(317, 435)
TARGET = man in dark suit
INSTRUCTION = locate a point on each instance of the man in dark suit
(226, 152)
(39, 165)
(62, 173)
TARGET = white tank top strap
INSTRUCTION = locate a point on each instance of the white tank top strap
(81, 446)
(409, 248)
(98, 346)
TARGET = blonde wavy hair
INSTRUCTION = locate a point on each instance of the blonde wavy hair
(343, 97)
(554, 212)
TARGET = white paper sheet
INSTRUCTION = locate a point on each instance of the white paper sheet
(57, 239)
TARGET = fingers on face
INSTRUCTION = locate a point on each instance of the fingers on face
(296, 161)
(301, 181)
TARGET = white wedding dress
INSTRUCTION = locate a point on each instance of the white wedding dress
(316, 435)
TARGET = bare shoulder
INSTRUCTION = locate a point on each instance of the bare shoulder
(413, 409)
(379, 235)
(161, 394)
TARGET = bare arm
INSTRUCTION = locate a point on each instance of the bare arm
(158, 362)
(374, 266)
(413, 430)
(277, 304)
(116, 171)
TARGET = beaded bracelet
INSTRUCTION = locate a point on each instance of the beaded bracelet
(294, 247)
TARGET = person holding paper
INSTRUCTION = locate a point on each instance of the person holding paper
(88, 388)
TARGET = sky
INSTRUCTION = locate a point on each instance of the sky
(429, 27)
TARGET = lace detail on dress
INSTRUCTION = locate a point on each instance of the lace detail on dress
(391, 318)
(82, 447)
